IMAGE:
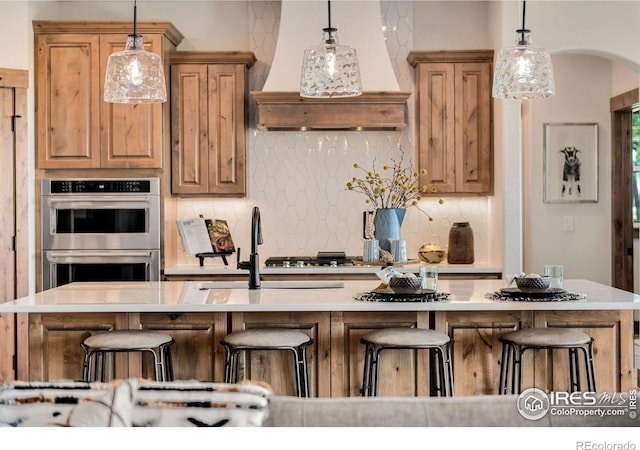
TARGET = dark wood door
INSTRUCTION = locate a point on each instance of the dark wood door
(621, 190)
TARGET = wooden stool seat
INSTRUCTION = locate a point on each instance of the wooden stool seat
(268, 339)
(411, 339)
(515, 343)
(154, 342)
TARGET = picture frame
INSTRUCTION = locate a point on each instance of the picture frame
(570, 163)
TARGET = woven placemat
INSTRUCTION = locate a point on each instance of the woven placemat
(567, 296)
(375, 297)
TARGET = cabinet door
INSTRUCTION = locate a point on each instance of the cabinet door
(277, 367)
(196, 353)
(131, 135)
(189, 129)
(476, 347)
(473, 157)
(612, 332)
(68, 101)
(402, 372)
(227, 86)
(54, 344)
(436, 125)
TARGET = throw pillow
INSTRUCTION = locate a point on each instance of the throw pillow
(67, 404)
(200, 404)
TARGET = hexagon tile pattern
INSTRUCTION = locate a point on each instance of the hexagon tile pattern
(298, 179)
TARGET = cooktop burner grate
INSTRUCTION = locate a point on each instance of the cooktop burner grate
(321, 259)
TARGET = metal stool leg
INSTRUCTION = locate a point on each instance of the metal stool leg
(589, 366)
(517, 355)
(305, 372)
(375, 368)
(372, 367)
(364, 391)
(104, 358)
(227, 364)
(504, 369)
(591, 370)
(574, 371)
(296, 364)
(85, 364)
(440, 383)
(449, 364)
(168, 362)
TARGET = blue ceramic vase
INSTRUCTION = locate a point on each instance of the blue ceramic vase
(387, 223)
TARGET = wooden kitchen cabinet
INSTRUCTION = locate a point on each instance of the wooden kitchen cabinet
(402, 372)
(197, 353)
(455, 120)
(75, 128)
(614, 371)
(54, 343)
(55, 352)
(476, 349)
(209, 115)
(277, 367)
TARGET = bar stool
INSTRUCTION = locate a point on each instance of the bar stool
(411, 339)
(515, 343)
(101, 344)
(268, 339)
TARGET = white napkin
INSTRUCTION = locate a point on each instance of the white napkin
(387, 273)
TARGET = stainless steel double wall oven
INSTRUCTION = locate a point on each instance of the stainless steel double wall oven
(100, 230)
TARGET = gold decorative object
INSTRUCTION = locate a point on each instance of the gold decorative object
(431, 253)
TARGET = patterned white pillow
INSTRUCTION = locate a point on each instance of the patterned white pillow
(67, 404)
(200, 404)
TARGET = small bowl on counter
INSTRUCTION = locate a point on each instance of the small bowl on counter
(405, 285)
(533, 283)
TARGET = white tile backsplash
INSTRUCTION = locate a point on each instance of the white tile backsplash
(298, 178)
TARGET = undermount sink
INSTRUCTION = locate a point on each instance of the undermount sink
(318, 284)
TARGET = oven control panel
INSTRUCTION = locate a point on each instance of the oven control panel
(101, 186)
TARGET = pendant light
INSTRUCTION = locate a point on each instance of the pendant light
(134, 75)
(330, 69)
(523, 71)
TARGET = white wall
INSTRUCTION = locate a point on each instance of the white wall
(584, 85)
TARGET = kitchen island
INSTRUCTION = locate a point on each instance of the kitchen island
(51, 325)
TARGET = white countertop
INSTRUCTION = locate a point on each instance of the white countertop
(179, 296)
(221, 269)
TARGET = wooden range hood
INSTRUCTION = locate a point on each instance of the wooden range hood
(369, 111)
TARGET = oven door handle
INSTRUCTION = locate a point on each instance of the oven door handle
(110, 254)
(104, 199)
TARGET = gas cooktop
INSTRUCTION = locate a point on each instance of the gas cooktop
(321, 259)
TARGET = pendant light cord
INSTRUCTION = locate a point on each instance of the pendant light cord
(523, 30)
(135, 19)
(329, 30)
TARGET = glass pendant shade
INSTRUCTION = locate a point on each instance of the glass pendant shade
(134, 75)
(330, 69)
(523, 71)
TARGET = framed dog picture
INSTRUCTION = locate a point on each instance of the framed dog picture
(570, 162)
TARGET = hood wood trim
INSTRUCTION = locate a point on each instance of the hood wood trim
(369, 111)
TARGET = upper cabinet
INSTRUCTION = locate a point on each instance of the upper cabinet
(75, 127)
(209, 116)
(455, 120)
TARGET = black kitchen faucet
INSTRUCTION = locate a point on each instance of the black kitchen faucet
(253, 265)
